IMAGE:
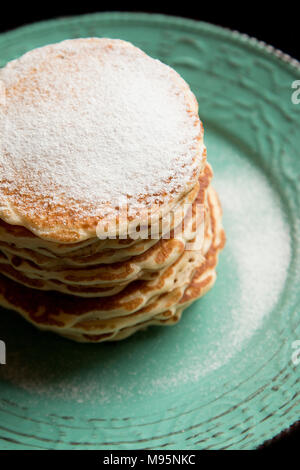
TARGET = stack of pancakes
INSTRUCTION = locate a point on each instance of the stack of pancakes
(108, 220)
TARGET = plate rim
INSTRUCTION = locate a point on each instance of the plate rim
(219, 30)
(253, 43)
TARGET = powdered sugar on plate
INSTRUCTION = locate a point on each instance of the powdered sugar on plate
(256, 256)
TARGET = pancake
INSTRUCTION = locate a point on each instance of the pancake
(53, 308)
(19, 240)
(162, 254)
(144, 303)
(79, 151)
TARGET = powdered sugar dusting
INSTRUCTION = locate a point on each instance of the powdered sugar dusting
(257, 255)
(89, 122)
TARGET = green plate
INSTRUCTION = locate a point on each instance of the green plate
(225, 377)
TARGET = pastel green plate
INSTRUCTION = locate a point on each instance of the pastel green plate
(227, 376)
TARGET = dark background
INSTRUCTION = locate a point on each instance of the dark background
(276, 24)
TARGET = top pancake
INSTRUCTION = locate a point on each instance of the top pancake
(92, 129)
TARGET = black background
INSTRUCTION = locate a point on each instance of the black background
(275, 23)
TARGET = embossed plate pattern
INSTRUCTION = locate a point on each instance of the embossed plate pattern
(227, 375)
